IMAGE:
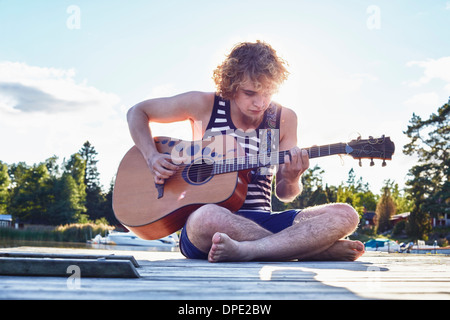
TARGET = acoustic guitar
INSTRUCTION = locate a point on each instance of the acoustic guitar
(214, 171)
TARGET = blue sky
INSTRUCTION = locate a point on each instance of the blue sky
(69, 70)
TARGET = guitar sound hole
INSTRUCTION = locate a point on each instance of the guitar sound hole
(199, 173)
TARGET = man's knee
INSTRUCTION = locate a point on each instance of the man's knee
(349, 216)
(203, 223)
(206, 220)
(205, 216)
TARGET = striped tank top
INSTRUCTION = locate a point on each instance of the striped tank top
(264, 138)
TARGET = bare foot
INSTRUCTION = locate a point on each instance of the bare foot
(224, 248)
(341, 250)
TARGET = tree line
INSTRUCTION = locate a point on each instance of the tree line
(54, 194)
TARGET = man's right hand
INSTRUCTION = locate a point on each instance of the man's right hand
(162, 167)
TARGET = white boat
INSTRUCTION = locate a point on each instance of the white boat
(130, 239)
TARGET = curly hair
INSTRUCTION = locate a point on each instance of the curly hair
(257, 61)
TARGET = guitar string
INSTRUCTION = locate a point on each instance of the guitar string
(233, 166)
(250, 161)
(234, 163)
(313, 152)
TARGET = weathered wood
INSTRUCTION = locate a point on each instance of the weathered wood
(100, 268)
(68, 256)
(169, 276)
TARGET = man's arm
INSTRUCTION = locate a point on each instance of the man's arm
(288, 183)
(191, 106)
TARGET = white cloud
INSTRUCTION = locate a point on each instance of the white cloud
(46, 112)
(423, 99)
(447, 87)
(36, 89)
(433, 69)
(438, 71)
(423, 104)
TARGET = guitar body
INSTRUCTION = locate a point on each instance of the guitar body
(138, 204)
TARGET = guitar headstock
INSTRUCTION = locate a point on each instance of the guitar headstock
(373, 148)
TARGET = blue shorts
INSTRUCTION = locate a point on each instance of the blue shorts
(274, 222)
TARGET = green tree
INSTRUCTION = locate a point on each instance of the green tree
(4, 185)
(311, 181)
(419, 186)
(40, 195)
(91, 175)
(429, 179)
(331, 193)
(385, 210)
(312, 194)
(108, 208)
(356, 193)
(318, 197)
(74, 173)
(402, 201)
(95, 198)
(30, 196)
(67, 206)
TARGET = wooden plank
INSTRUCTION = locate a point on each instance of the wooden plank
(100, 268)
(68, 256)
(168, 275)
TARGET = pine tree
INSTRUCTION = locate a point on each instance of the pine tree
(95, 199)
(429, 184)
(91, 175)
(73, 191)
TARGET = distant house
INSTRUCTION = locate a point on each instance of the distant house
(5, 220)
(441, 220)
(369, 219)
(399, 217)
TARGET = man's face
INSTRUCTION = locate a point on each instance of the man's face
(252, 101)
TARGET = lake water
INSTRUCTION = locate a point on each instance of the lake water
(79, 245)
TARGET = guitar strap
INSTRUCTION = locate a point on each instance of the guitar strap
(269, 139)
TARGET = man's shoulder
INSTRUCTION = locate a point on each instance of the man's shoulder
(287, 114)
(288, 123)
(200, 97)
(198, 105)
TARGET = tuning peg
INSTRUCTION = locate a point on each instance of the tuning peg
(372, 163)
(383, 164)
(360, 162)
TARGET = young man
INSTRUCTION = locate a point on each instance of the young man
(245, 82)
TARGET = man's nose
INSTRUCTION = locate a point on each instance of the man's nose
(259, 101)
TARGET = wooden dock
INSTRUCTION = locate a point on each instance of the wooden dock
(169, 276)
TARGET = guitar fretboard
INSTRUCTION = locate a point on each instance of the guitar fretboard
(275, 158)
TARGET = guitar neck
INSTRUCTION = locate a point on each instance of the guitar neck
(274, 158)
(328, 150)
